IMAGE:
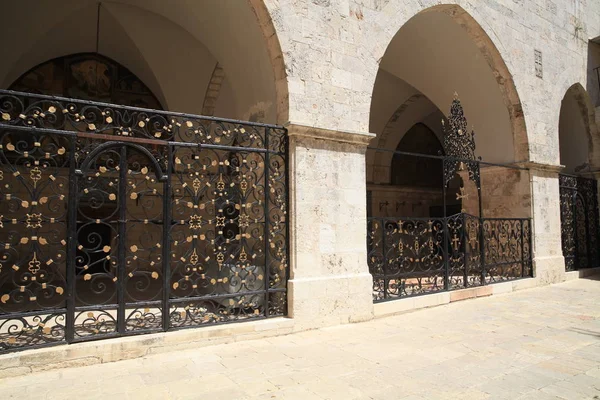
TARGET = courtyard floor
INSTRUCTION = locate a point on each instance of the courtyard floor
(541, 343)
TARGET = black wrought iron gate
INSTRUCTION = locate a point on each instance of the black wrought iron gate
(579, 222)
(412, 255)
(118, 220)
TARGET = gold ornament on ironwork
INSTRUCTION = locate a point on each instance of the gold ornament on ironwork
(220, 260)
(220, 183)
(34, 221)
(34, 264)
(455, 242)
(244, 186)
(244, 220)
(36, 175)
(243, 255)
(194, 258)
(196, 184)
(195, 222)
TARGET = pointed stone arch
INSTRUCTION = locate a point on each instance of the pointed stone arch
(488, 51)
(579, 139)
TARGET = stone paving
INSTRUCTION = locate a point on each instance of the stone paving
(541, 343)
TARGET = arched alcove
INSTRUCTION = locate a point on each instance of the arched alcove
(438, 53)
(425, 172)
(578, 135)
(218, 57)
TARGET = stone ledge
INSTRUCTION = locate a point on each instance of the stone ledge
(582, 273)
(129, 347)
(401, 306)
(315, 132)
(408, 304)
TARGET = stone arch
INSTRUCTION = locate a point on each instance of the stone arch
(437, 52)
(269, 32)
(157, 41)
(488, 51)
(579, 139)
(415, 172)
(500, 70)
(413, 110)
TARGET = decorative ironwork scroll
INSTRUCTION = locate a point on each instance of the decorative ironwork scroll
(459, 145)
(176, 220)
(579, 222)
(418, 256)
(406, 257)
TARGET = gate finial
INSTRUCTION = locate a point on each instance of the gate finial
(459, 144)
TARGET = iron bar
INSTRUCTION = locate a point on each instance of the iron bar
(450, 158)
(446, 233)
(121, 266)
(267, 231)
(136, 109)
(71, 246)
(522, 249)
(166, 242)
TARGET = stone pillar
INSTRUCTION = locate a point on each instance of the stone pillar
(548, 261)
(329, 280)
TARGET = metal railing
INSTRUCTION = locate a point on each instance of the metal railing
(119, 220)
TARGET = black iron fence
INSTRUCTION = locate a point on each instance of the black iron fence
(450, 237)
(119, 220)
(579, 222)
(417, 256)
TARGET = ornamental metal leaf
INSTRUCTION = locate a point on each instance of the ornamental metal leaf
(459, 145)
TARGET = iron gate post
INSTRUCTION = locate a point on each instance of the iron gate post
(71, 243)
(446, 233)
(481, 233)
(166, 245)
(266, 228)
(121, 264)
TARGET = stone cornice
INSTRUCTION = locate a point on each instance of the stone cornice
(335, 135)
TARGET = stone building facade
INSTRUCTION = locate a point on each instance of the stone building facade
(343, 75)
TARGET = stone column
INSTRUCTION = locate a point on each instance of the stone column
(548, 260)
(329, 280)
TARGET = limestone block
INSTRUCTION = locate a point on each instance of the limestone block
(330, 282)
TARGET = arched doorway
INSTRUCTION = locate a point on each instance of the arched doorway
(578, 138)
(471, 191)
(117, 216)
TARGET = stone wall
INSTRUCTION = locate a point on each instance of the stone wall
(505, 193)
(332, 49)
(330, 281)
